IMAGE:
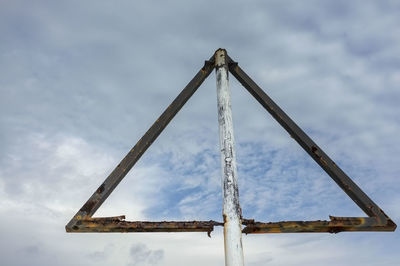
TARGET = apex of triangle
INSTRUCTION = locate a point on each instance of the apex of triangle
(221, 50)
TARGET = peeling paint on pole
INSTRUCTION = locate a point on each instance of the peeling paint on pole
(230, 192)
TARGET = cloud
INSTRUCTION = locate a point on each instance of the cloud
(101, 255)
(142, 255)
(82, 82)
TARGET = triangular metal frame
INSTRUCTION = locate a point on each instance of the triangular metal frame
(83, 220)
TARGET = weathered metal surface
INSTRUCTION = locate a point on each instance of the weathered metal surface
(105, 189)
(335, 225)
(231, 209)
(118, 224)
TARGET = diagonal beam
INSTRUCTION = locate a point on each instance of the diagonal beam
(334, 171)
(105, 189)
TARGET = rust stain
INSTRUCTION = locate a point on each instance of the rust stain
(100, 189)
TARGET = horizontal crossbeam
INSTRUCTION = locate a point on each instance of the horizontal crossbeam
(335, 225)
(118, 224)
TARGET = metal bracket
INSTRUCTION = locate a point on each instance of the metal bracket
(83, 221)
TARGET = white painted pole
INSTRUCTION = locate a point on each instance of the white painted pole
(231, 207)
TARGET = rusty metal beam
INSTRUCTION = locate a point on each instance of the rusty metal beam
(335, 225)
(105, 189)
(118, 224)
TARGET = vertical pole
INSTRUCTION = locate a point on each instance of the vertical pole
(231, 207)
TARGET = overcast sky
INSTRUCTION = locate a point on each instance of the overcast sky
(81, 81)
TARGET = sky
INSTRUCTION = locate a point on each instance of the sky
(82, 81)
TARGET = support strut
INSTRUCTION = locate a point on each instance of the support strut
(230, 191)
